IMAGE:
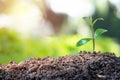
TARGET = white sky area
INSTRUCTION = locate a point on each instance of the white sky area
(74, 8)
(26, 17)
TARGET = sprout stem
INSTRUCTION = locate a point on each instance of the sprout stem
(93, 38)
(93, 44)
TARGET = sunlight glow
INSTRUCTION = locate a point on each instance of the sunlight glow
(26, 18)
(23, 16)
(5, 20)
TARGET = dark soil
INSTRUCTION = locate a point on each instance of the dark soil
(85, 66)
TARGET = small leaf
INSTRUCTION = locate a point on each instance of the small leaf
(98, 32)
(97, 20)
(83, 41)
(87, 20)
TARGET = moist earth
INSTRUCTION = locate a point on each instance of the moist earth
(84, 66)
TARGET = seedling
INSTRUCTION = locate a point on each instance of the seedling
(94, 33)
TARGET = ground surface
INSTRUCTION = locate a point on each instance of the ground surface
(85, 66)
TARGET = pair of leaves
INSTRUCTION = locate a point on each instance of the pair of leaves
(97, 33)
(90, 22)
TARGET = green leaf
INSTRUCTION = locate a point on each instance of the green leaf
(97, 20)
(83, 41)
(99, 32)
(88, 20)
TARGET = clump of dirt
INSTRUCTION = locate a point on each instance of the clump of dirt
(84, 66)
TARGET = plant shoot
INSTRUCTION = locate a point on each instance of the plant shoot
(95, 33)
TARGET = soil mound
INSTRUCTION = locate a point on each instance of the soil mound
(84, 66)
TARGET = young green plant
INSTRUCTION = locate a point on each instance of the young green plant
(95, 33)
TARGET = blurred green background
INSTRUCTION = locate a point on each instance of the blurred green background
(40, 28)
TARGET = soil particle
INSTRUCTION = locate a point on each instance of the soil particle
(84, 66)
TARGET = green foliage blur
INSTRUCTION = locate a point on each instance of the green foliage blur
(9, 42)
(13, 47)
